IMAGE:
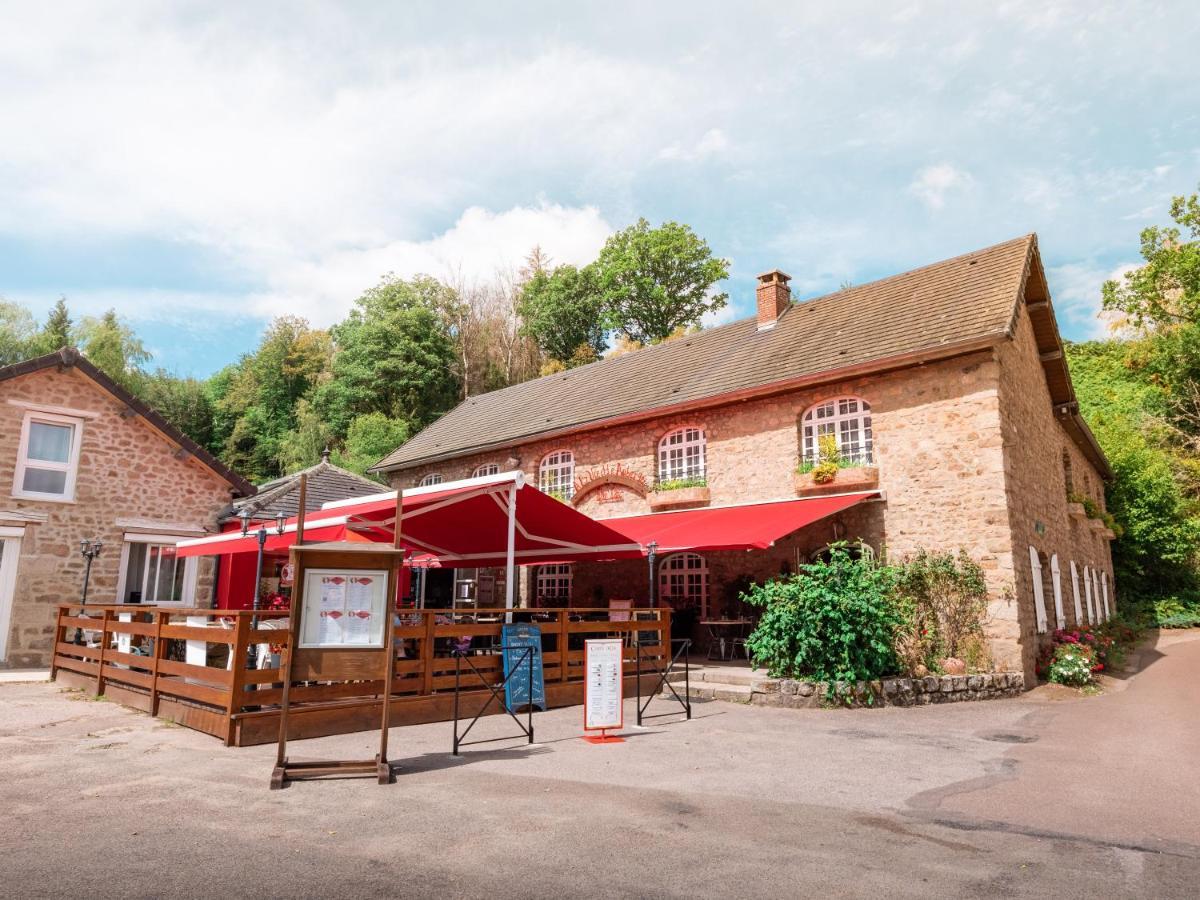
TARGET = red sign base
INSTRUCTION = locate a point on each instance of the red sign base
(603, 738)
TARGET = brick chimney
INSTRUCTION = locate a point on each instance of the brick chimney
(774, 297)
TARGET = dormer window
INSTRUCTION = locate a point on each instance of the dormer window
(848, 420)
(47, 457)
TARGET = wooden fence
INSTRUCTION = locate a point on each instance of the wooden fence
(201, 667)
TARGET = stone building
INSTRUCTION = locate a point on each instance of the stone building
(945, 390)
(82, 458)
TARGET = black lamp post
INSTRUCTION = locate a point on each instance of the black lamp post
(651, 553)
(261, 535)
(89, 549)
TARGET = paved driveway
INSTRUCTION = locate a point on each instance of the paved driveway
(1076, 797)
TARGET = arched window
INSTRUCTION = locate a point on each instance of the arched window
(431, 479)
(683, 581)
(556, 474)
(848, 419)
(486, 469)
(681, 454)
(554, 585)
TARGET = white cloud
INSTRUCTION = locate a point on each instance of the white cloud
(1075, 288)
(480, 244)
(713, 142)
(932, 184)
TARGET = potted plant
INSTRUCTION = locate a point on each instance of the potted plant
(833, 473)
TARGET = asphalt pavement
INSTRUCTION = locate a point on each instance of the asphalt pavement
(1054, 793)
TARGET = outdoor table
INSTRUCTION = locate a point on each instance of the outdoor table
(722, 634)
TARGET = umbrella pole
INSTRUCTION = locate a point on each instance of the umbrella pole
(510, 557)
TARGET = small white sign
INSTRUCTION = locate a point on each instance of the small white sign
(603, 684)
(344, 608)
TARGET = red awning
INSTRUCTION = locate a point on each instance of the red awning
(754, 526)
(463, 524)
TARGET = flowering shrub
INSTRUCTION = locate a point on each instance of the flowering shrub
(1073, 663)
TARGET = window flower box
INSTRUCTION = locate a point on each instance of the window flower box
(678, 498)
(1076, 511)
(1108, 534)
(857, 478)
(1097, 525)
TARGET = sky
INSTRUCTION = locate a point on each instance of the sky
(203, 167)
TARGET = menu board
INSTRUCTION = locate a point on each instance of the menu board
(344, 608)
(524, 686)
(603, 684)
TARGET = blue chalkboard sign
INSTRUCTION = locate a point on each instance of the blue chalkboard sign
(518, 692)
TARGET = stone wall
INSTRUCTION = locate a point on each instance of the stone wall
(1035, 478)
(785, 692)
(129, 480)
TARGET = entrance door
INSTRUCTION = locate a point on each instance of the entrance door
(10, 552)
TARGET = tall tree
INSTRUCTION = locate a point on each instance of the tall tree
(114, 347)
(395, 354)
(18, 332)
(1166, 290)
(57, 332)
(369, 439)
(564, 311)
(656, 280)
(184, 402)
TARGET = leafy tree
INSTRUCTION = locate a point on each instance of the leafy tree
(655, 280)
(369, 439)
(113, 347)
(1166, 290)
(18, 332)
(57, 332)
(563, 311)
(256, 400)
(395, 355)
(184, 402)
(302, 446)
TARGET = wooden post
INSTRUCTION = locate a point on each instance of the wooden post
(160, 652)
(563, 639)
(105, 618)
(58, 639)
(427, 652)
(237, 684)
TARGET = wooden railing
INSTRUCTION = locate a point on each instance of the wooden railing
(214, 671)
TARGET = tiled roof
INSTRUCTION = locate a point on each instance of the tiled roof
(928, 311)
(325, 482)
(68, 357)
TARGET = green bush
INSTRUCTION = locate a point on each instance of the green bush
(1072, 664)
(944, 597)
(834, 620)
(675, 484)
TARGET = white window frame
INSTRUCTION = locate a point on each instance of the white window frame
(71, 466)
(1060, 617)
(1039, 590)
(558, 579)
(485, 470)
(191, 568)
(842, 411)
(682, 453)
(1075, 589)
(433, 478)
(10, 555)
(556, 473)
(684, 565)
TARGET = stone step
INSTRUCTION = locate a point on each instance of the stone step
(714, 690)
(718, 675)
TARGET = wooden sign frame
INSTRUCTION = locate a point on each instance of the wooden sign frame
(342, 663)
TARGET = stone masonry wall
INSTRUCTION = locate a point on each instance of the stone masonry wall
(127, 472)
(785, 692)
(1035, 476)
